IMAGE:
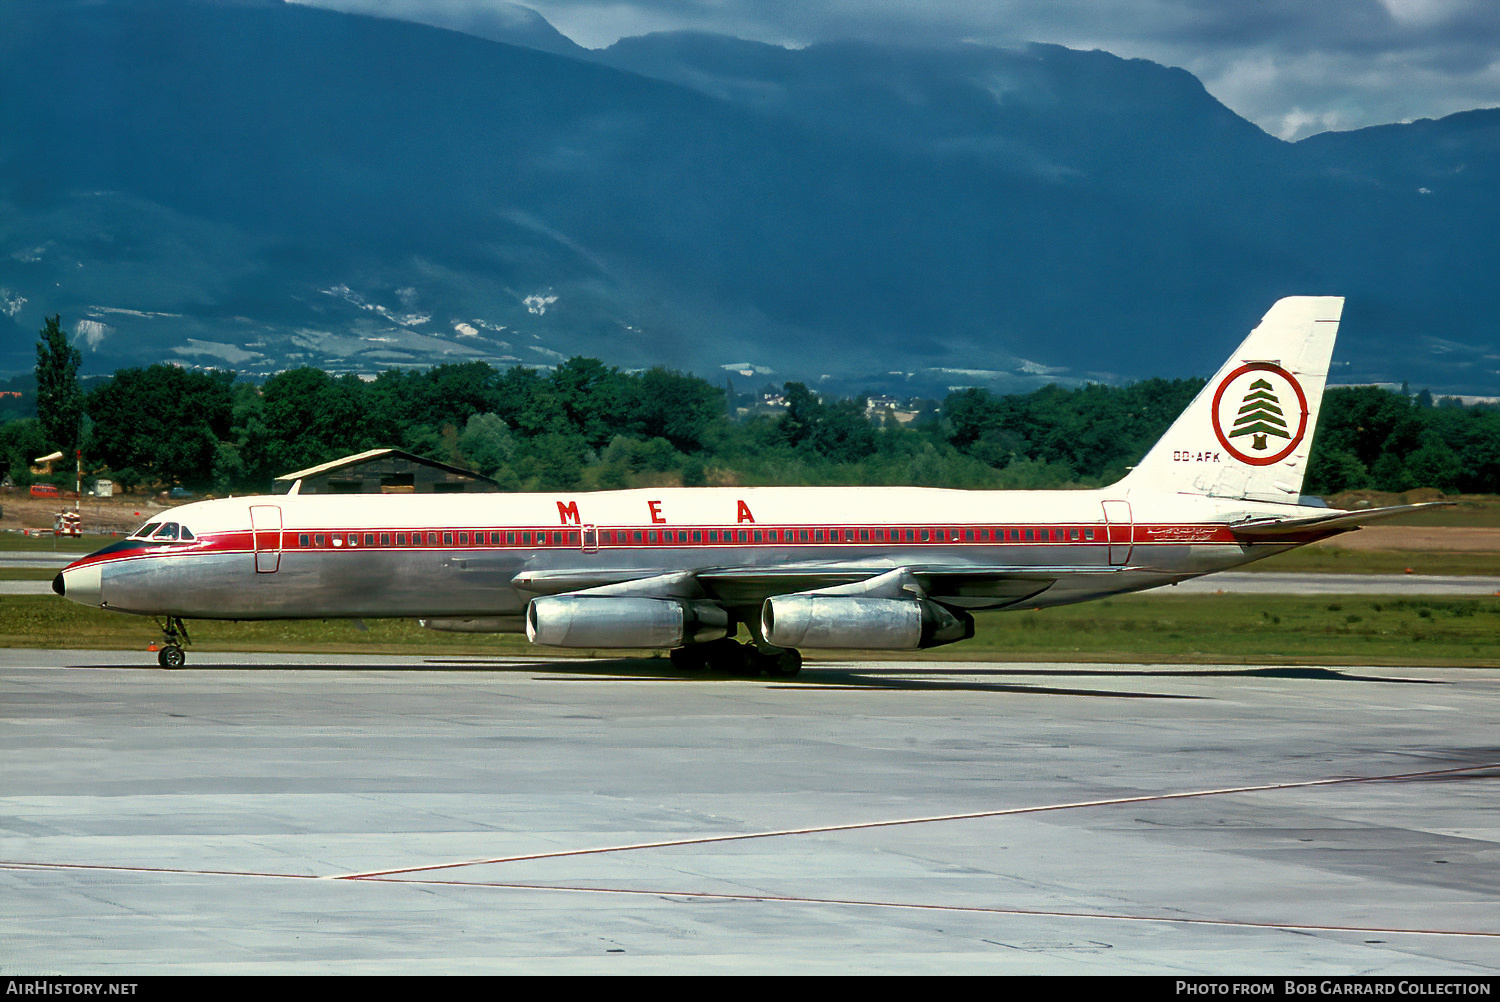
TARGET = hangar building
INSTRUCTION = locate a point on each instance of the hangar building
(385, 471)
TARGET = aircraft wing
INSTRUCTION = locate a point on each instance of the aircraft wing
(1316, 526)
(751, 584)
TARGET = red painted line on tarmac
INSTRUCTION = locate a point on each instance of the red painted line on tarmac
(398, 876)
(932, 819)
(16, 864)
(788, 899)
(972, 909)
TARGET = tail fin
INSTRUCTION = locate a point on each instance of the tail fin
(1249, 432)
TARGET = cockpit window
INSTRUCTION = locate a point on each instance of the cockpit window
(167, 531)
(186, 535)
(146, 530)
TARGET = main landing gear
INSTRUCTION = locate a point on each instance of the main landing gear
(173, 635)
(730, 657)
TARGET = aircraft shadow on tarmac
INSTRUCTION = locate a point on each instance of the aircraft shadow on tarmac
(812, 677)
(1282, 671)
(929, 676)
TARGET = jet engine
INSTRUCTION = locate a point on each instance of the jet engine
(812, 619)
(609, 621)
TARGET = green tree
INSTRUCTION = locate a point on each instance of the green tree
(693, 473)
(553, 461)
(1335, 470)
(1434, 464)
(246, 470)
(59, 399)
(487, 444)
(803, 412)
(843, 433)
(463, 390)
(677, 407)
(164, 423)
(1370, 423)
(229, 472)
(20, 443)
(311, 418)
(530, 404)
(596, 398)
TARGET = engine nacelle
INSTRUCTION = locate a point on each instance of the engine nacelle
(476, 624)
(855, 621)
(609, 621)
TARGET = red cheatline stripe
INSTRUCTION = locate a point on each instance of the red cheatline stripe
(932, 819)
(241, 541)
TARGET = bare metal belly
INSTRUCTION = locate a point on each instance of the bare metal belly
(383, 583)
(370, 584)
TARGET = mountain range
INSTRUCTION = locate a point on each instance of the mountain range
(254, 185)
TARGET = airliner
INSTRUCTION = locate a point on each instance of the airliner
(800, 568)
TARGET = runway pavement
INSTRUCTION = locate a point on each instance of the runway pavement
(366, 815)
(43, 558)
(1272, 583)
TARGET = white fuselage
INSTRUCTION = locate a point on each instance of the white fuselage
(326, 556)
(870, 567)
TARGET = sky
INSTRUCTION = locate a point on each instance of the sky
(1294, 67)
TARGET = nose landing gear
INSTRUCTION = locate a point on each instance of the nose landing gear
(173, 635)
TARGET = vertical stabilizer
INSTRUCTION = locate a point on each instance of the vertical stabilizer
(1249, 432)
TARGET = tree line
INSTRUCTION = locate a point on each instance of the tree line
(587, 425)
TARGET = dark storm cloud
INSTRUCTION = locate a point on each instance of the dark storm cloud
(1292, 66)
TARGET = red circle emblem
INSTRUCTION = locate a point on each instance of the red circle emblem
(1260, 431)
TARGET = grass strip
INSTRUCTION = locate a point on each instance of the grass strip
(1215, 629)
(1332, 560)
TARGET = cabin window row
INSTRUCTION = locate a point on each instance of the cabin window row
(440, 538)
(621, 537)
(628, 537)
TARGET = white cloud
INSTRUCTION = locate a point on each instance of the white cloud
(92, 331)
(1297, 123)
(1291, 66)
(538, 303)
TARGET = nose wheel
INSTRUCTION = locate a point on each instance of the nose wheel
(173, 635)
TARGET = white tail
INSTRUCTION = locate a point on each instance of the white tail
(1249, 432)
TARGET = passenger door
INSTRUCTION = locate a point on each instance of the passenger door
(265, 529)
(1119, 524)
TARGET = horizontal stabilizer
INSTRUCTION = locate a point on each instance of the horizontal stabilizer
(1337, 521)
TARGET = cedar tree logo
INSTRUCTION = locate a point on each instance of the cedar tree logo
(1260, 413)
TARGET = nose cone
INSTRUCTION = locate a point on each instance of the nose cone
(80, 583)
